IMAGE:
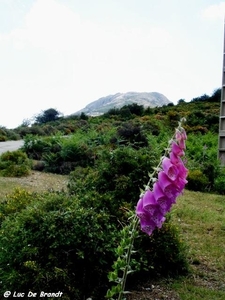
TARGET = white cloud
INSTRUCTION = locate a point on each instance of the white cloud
(62, 44)
(58, 58)
(214, 12)
(52, 26)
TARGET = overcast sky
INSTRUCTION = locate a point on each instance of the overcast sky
(64, 54)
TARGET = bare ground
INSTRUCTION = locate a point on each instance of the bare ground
(154, 291)
(36, 181)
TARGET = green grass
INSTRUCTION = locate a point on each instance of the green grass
(188, 291)
(6, 186)
(201, 217)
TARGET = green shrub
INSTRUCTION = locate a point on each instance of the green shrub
(13, 136)
(84, 183)
(49, 130)
(52, 162)
(3, 138)
(15, 202)
(36, 130)
(15, 171)
(35, 147)
(78, 152)
(219, 185)
(150, 125)
(119, 173)
(67, 242)
(132, 134)
(60, 155)
(57, 244)
(8, 134)
(196, 118)
(164, 253)
(197, 181)
(14, 164)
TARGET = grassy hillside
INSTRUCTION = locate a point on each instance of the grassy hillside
(202, 115)
(56, 232)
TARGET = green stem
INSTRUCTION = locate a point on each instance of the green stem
(159, 164)
(128, 256)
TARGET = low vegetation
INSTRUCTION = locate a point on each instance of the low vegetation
(57, 232)
(199, 221)
(14, 164)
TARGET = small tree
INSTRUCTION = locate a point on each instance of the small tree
(181, 101)
(47, 115)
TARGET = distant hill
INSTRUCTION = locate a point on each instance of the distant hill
(104, 104)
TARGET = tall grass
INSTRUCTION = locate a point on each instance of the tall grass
(201, 217)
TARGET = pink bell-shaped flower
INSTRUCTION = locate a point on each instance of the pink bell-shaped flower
(182, 144)
(174, 158)
(149, 202)
(180, 183)
(169, 168)
(180, 135)
(153, 205)
(168, 187)
(158, 218)
(176, 149)
(182, 171)
(140, 210)
(147, 226)
(163, 201)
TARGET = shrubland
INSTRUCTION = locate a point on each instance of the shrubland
(66, 240)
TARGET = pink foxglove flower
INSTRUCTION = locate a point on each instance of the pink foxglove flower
(153, 205)
(182, 171)
(149, 202)
(168, 187)
(140, 210)
(163, 201)
(147, 226)
(174, 158)
(170, 169)
(177, 150)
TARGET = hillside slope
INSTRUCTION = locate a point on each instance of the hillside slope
(119, 100)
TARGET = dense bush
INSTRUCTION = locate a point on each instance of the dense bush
(126, 112)
(163, 253)
(219, 182)
(219, 185)
(120, 172)
(8, 134)
(14, 164)
(150, 125)
(35, 146)
(77, 149)
(131, 134)
(15, 202)
(202, 162)
(61, 242)
(3, 138)
(54, 243)
(197, 181)
(59, 154)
